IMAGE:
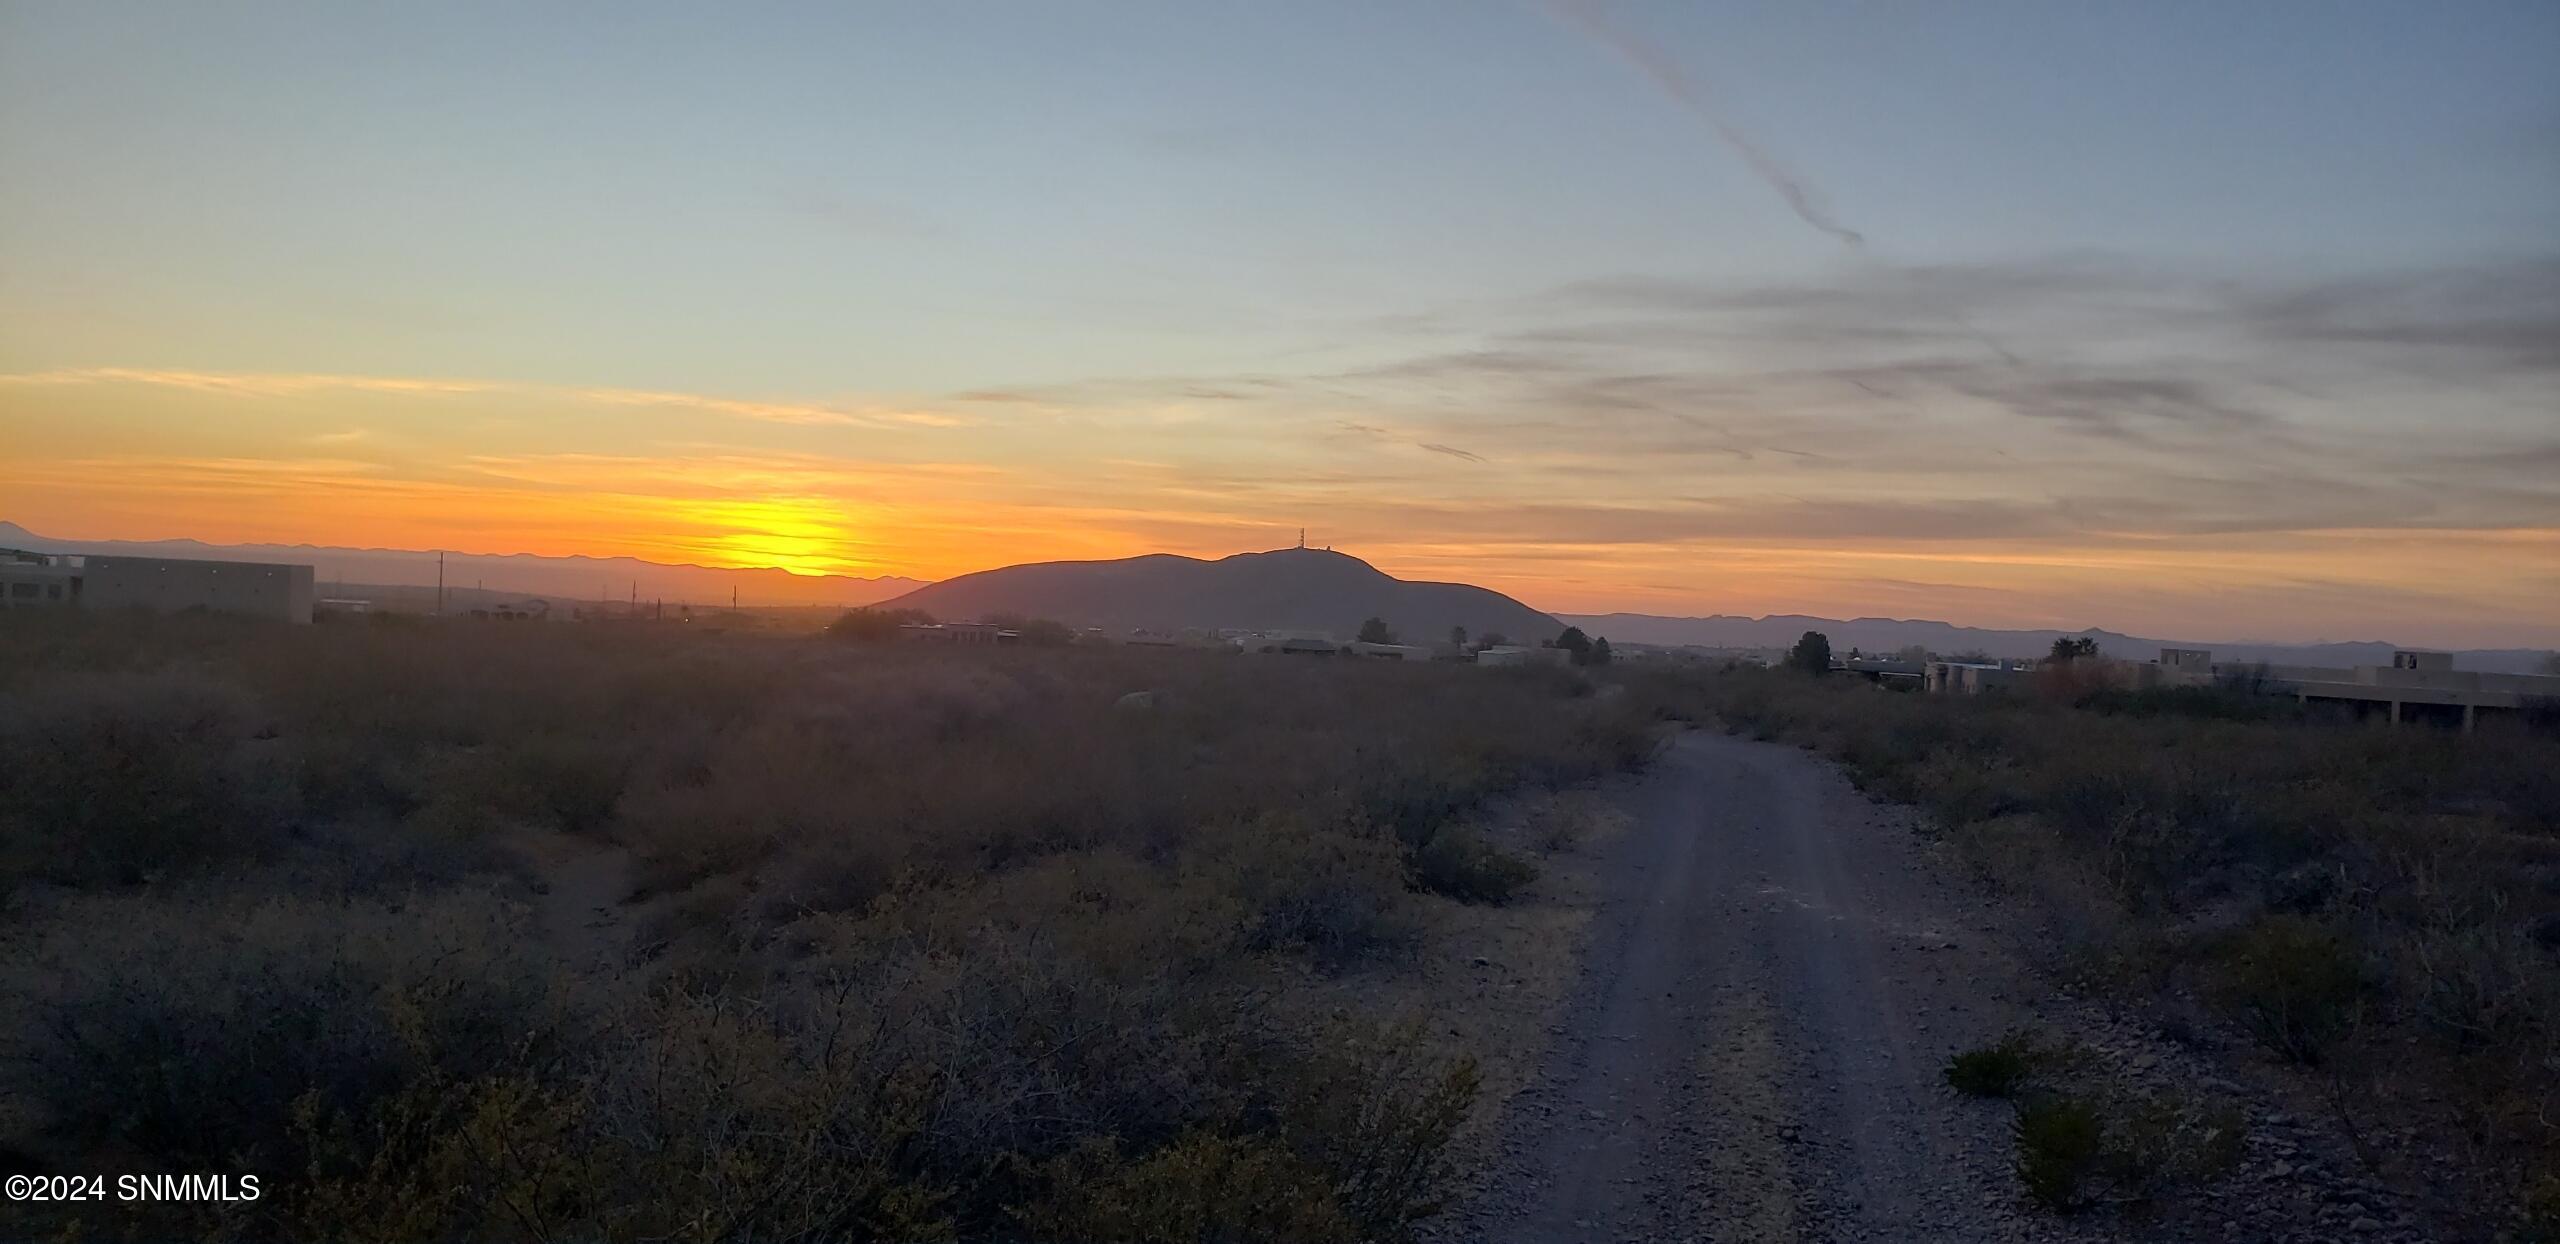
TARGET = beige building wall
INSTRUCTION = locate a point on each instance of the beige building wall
(260, 589)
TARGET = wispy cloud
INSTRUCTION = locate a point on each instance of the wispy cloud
(281, 385)
(244, 384)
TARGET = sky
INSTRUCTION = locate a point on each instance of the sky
(2226, 321)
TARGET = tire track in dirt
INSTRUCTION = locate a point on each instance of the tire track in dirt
(1752, 1048)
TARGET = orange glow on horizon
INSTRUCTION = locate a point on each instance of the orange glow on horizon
(275, 460)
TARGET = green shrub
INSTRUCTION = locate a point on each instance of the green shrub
(1338, 895)
(2538, 1210)
(2295, 984)
(1459, 863)
(2059, 1145)
(1996, 1070)
(1204, 1186)
(2074, 1151)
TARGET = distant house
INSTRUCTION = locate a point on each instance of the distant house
(1391, 652)
(1973, 677)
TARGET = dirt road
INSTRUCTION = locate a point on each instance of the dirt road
(1753, 1048)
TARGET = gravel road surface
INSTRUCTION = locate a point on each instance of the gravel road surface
(1753, 1048)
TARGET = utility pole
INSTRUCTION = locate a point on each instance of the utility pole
(439, 583)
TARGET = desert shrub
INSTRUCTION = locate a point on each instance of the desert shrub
(1376, 1111)
(227, 1031)
(1561, 822)
(113, 777)
(1204, 1186)
(2296, 985)
(871, 626)
(2538, 1209)
(2476, 985)
(1337, 895)
(2214, 703)
(1459, 863)
(917, 933)
(1999, 1069)
(2073, 1151)
(2059, 1145)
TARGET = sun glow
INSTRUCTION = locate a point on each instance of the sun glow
(804, 535)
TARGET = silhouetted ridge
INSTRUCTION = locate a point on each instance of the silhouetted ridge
(1292, 589)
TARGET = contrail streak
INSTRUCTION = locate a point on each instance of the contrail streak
(1668, 77)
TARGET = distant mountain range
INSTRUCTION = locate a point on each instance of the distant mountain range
(1889, 634)
(567, 578)
(1287, 589)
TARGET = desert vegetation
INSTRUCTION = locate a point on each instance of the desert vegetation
(2373, 913)
(599, 932)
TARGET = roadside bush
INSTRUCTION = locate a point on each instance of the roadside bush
(1459, 863)
(1562, 822)
(1337, 895)
(2078, 1151)
(2060, 1142)
(2000, 1069)
(2295, 985)
(1237, 1190)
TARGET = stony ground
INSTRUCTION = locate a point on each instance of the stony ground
(1773, 971)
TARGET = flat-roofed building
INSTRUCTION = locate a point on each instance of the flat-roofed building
(38, 580)
(278, 590)
(2417, 685)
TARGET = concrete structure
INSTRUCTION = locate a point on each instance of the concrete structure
(2417, 685)
(260, 589)
(38, 580)
(1973, 677)
(2187, 660)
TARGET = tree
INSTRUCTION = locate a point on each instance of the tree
(2073, 648)
(1457, 637)
(1492, 639)
(1971, 656)
(1374, 631)
(2551, 664)
(1575, 642)
(874, 625)
(1812, 654)
(1916, 654)
(1599, 652)
(1038, 632)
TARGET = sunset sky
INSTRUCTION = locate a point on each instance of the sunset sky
(2206, 320)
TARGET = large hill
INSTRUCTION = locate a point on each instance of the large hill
(1288, 589)
(576, 578)
(1888, 634)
